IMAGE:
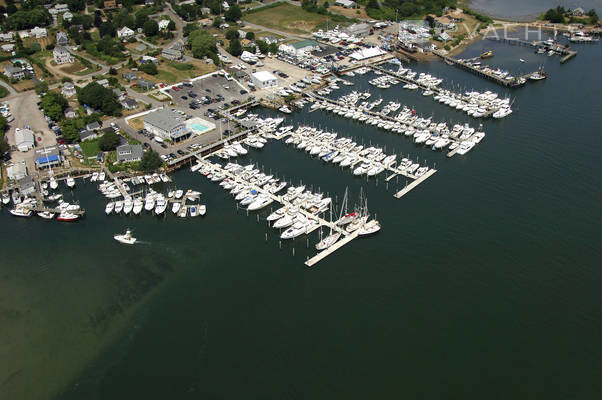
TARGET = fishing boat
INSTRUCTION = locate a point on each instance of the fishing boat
(176, 207)
(538, 75)
(70, 182)
(138, 205)
(487, 54)
(125, 238)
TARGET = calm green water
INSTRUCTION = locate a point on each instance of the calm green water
(518, 10)
(485, 279)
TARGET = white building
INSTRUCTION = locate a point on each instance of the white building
(68, 89)
(345, 3)
(7, 48)
(163, 24)
(166, 124)
(38, 32)
(24, 139)
(62, 56)
(125, 33)
(7, 37)
(68, 16)
(17, 171)
(264, 79)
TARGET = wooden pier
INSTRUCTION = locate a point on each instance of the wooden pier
(514, 82)
(326, 252)
(412, 185)
(563, 51)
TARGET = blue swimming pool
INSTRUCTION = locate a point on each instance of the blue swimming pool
(198, 127)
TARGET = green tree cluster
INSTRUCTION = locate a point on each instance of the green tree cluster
(150, 28)
(54, 104)
(233, 14)
(555, 15)
(4, 147)
(148, 67)
(150, 161)
(109, 141)
(203, 44)
(235, 48)
(23, 19)
(99, 98)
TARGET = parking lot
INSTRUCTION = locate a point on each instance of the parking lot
(209, 94)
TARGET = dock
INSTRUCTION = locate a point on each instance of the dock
(412, 185)
(563, 51)
(512, 83)
(326, 252)
(348, 237)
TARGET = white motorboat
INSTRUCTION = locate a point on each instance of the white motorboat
(128, 205)
(287, 220)
(138, 205)
(279, 213)
(176, 207)
(260, 202)
(179, 193)
(66, 216)
(53, 183)
(109, 207)
(125, 238)
(299, 228)
(202, 209)
(70, 182)
(160, 205)
(194, 211)
(5, 198)
(118, 206)
(149, 203)
(46, 214)
(21, 212)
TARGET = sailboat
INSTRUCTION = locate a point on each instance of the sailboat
(333, 237)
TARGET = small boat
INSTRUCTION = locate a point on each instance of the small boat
(194, 211)
(369, 228)
(487, 54)
(521, 60)
(126, 238)
(202, 209)
(179, 193)
(176, 207)
(66, 216)
(328, 241)
(70, 182)
(21, 212)
(138, 205)
(109, 208)
(53, 183)
(46, 214)
(5, 198)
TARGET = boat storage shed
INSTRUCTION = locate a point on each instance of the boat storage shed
(264, 79)
(24, 139)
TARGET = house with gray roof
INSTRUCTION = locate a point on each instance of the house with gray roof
(129, 104)
(87, 135)
(166, 124)
(14, 72)
(129, 153)
(172, 54)
(130, 76)
(144, 84)
(62, 39)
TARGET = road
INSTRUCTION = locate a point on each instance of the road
(8, 87)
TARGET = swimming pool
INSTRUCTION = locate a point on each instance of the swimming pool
(198, 127)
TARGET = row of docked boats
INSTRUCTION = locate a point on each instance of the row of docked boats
(158, 204)
(476, 104)
(63, 211)
(408, 123)
(368, 161)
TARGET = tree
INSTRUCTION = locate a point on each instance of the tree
(232, 34)
(150, 28)
(250, 36)
(150, 161)
(107, 29)
(148, 67)
(109, 141)
(188, 28)
(171, 26)
(202, 44)
(70, 131)
(54, 104)
(100, 98)
(262, 46)
(235, 48)
(76, 5)
(112, 71)
(233, 13)
(217, 21)
(273, 48)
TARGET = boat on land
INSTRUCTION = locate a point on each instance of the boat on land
(125, 238)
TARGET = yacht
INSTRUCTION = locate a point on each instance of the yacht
(160, 205)
(328, 241)
(279, 213)
(118, 206)
(21, 212)
(125, 238)
(369, 228)
(138, 205)
(109, 207)
(287, 220)
(128, 205)
(66, 216)
(298, 229)
(70, 182)
(46, 214)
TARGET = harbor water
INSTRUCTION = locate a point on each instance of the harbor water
(516, 10)
(485, 278)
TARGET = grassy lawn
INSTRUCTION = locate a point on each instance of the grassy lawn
(287, 18)
(90, 147)
(166, 76)
(136, 123)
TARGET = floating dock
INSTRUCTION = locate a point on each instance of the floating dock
(412, 185)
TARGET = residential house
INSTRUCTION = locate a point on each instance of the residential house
(67, 16)
(103, 82)
(578, 12)
(225, 6)
(61, 8)
(172, 54)
(144, 59)
(129, 104)
(110, 5)
(61, 55)
(166, 124)
(269, 39)
(444, 37)
(62, 39)
(90, 110)
(163, 24)
(144, 84)
(118, 93)
(346, 3)
(38, 32)
(23, 34)
(130, 76)
(24, 139)
(7, 37)
(48, 157)
(205, 10)
(8, 48)
(87, 135)
(93, 126)
(68, 89)
(129, 153)
(70, 113)
(14, 72)
(125, 33)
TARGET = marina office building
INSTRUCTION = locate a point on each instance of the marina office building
(264, 79)
(166, 124)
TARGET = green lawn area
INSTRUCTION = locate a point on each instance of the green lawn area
(90, 147)
(288, 18)
(166, 76)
